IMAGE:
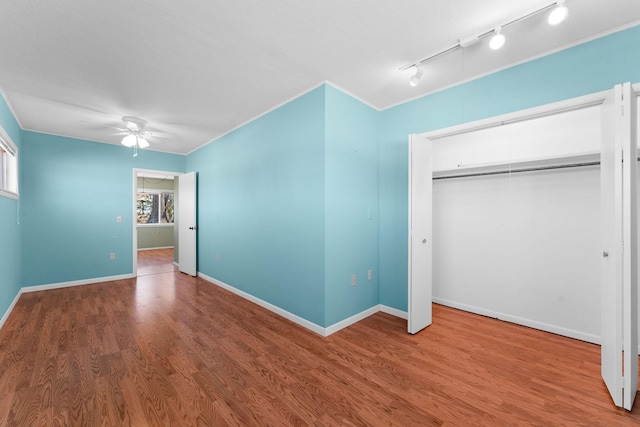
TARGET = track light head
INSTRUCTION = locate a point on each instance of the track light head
(558, 14)
(498, 39)
(415, 79)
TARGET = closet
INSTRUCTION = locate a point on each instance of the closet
(514, 217)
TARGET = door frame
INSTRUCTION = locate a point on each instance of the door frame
(552, 108)
(134, 235)
(505, 119)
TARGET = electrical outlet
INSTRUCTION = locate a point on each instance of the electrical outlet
(112, 256)
(353, 280)
(369, 274)
(118, 218)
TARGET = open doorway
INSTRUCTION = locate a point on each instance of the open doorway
(155, 261)
(155, 225)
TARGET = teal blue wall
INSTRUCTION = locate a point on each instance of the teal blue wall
(285, 199)
(261, 207)
(72, 192)
(351, 205)
(587, 68)
(10, 229)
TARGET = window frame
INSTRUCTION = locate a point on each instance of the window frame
(9, 170)
(154, 191)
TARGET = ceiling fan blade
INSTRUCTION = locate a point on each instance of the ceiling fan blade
(154, 140)
(103, 125)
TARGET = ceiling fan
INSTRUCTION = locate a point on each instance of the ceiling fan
(136, 136)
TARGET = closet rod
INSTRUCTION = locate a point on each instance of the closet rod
(531, 169)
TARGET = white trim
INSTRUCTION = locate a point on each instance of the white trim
(351, 94)
(9, 194)
(287, 101)
(394, 312)
(134, 220)
(151, 249)
(155, 190)
(10, 309)
(325, 332)
(12, 186)
(351, 320)
(264, 304)
(582, 336)
(60, 285)
(283, 103)
(13, 111)
(162, 224)
(176, 264)
(521, 115)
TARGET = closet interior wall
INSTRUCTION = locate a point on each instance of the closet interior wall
(523, 247)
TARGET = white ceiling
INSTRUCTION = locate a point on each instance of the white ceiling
(196, 69)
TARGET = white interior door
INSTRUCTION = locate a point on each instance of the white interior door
(611, 281)
(420, 243)
(619, 349)
(630, 236)
(187, 231)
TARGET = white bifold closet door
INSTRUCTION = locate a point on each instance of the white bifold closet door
(619, 359)
(420, 234)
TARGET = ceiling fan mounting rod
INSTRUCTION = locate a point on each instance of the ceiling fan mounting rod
(134, 124)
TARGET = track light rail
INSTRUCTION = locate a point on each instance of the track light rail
(464, 41)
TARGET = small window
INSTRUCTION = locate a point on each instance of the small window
(8, 166)
(155, 207)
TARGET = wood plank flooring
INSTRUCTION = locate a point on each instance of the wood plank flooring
(155, 261)
(169, 349)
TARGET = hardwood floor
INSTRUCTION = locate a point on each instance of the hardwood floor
(155, 261)
(169, 349)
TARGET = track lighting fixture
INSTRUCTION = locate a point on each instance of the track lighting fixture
(416, 77)
(498, 39)
(558, 14)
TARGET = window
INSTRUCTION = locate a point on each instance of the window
(155, 207)
(8, 166)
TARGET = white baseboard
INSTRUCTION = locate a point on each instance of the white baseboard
(325, 332)
(351, 320)
(75, 283)
(273, 308)
(152, 249)
(262, 303)
(582, 336)
(394, 311)
(176, 264)
(10, 309)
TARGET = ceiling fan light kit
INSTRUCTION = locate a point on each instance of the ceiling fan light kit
(129, 140)
(558, 14)
(135, 138)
